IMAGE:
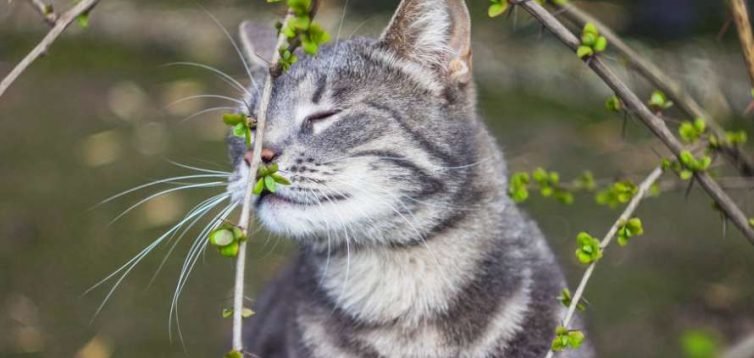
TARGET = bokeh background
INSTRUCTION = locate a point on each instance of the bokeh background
(94, 118)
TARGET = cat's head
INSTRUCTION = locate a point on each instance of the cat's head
(371, 133)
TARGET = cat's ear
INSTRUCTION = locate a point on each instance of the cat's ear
(434, 33)
(258, 44)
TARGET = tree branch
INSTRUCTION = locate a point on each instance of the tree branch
(657, 77)
(628, 212)
(60, 25)
(741, 18)
(45, 10)
(275, 70)
(653, 122)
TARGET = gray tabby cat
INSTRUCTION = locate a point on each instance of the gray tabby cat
(409, 245)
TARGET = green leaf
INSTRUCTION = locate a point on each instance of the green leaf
(234, 354)
(584, 51)
(659, 101)
(221, 237)
(586, 181)
(631, 228)
(588, 39)
(497, 9)
(247, 312)
(238, 234)
(566, 339)
(736, 137)
(700, 344)
(600, 44)
(230, 250)
(566, 300)
(590, 28)
(83, 20)
(240, 130)
(227, 312)
(281, 179)
(614, 104)
(233, 119)
(588, 248)
(270, 184)
(259, 187)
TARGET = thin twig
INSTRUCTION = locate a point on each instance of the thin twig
(45, 10)
(658, 78)
(246, 214)
(653, 122)
(741, 18)
(60, 25)
(628, 212)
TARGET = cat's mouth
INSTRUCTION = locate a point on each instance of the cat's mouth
(282, 198)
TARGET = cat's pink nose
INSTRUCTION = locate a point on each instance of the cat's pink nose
(268, 155)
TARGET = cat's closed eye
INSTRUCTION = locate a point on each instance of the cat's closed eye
(321, 119)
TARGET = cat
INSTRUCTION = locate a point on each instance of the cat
(409, 245)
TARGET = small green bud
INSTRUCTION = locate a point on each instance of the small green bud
(566, 339)
(600, 45)
(221, 237)
(497, 8)
(614, 104)
(233, 354)
(584, 51)
(590, 28)
(589, 249)
(588, 39)
(566, 300)
(659, 101)
(247, 312)
(627, 230)
(230, 250)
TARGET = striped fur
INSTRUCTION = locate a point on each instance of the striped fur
(409, 246)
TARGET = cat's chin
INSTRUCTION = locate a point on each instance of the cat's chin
(285, 216)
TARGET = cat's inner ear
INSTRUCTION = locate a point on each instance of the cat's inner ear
(434, 33)
(258, 44)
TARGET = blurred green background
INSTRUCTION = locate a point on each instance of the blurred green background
(93, 119)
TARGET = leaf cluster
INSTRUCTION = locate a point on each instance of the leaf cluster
(227, 239)
(567, 339)
(268, 179)
(592, 42)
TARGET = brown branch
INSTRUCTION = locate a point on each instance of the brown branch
(45, 10)
(657, 77)
(741, 18)
(60, 25)
(653, 122)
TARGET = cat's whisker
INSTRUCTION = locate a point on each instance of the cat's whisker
(133, 262)
(208, 110)
(224, 76)
(217, 199)
(200, 243)
(245, 63)
(202, 170)
(348, 247)
(158, 182)
(164, 192)
(205, 96)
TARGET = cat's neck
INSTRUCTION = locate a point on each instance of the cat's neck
(410, 284)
